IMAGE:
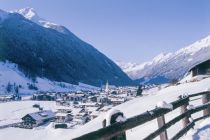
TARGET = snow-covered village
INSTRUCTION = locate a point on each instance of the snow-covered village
(108, 70)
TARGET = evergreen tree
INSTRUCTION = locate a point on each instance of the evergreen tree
(16, 89)
(139, 91)
(9, 87)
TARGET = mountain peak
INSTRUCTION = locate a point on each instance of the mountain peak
(29, 13)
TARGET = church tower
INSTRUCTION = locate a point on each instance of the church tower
(107, 87)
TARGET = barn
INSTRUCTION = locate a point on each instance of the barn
(201, 68)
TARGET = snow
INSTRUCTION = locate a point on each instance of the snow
(120, 119)
(170, 65)
(109, 115)
(31, 14)
(9, 73)
(207, 89)
(189, 78)
(191, 119)
(161, 57)
(163, 104)
(190, 107)
(13, 111)
(61, 114)
(142, 104)
(200, 132)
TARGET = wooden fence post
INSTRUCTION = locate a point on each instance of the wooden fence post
(185, 121)
(161, 122)
(206, 99)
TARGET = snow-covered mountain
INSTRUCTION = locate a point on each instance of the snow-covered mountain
(31, 14)
(44, 49)
(167, 66)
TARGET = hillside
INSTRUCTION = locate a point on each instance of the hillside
(10, 75)
(44, 49)
(167, 66)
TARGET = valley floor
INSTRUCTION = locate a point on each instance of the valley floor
(11, 111)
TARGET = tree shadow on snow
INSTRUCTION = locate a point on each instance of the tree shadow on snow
(196, 135)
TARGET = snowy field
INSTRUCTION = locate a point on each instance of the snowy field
(200, 132)
(12, 112)
(9, 111)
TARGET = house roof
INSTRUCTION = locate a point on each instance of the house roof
(197, 64)
(46, 114)
(63, 114)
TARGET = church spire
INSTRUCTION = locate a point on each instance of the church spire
(107, 87)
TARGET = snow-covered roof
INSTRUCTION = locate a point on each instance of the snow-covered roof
(117, 99)
(62, 114)
(63, 107)
(88, 104)
(46, 114)
(197, 64)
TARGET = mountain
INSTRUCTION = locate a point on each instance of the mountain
(30, 14)
(168, 66)
(44, 49)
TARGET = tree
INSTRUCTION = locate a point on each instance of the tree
(32, 86)
(174, 81)
(16, 89)
(139, 91)
(9, 87)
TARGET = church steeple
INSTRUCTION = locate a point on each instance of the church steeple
(107, 87)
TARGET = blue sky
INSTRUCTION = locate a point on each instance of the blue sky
(127, 30)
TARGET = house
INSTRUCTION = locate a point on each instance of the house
(44, 97)
(82, 118)
(89, 104)
(63, 109)
(38, 118)
(59, 101)
(201, 69)
(117, 101)
(103, 100)
(92, 99)
(75, 97)
(94, 114)
(105, 108)
(6, 98)
(63, 117)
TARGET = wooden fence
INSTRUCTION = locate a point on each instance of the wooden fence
(118, 128)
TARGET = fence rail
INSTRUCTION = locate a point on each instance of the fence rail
(157, 113)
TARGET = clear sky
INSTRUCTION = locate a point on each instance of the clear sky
(127, 30)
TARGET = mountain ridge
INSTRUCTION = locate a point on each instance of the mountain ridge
(59, 56)
(170, 65)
